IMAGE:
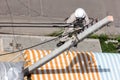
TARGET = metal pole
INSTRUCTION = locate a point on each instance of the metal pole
(68, 44)
(15, 24)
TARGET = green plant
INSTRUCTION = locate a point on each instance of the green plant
(56, 33)
(94, 36)
(118, 38)
(103, 37)
(110, 47)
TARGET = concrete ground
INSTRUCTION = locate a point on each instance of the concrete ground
(56, 11)
(27, 41)
(10, 57)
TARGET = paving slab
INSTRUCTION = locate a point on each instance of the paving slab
(27, 41)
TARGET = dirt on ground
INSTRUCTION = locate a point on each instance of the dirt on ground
(10, 57)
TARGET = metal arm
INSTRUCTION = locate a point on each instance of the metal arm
(68, 44)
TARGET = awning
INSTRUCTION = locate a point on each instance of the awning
(71, 65)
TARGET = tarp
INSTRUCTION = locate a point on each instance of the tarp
(11, 71)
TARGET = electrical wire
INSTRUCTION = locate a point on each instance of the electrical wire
(41, 42)
(11, 18)
(13, 32)
(38, 13)
(36, 44)
(28, 7)
(30, 46)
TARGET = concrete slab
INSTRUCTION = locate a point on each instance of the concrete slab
(27, 41)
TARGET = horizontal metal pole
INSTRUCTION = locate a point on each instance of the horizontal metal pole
(15, 24)
(33, 26)
(68, 45)
(29, 23)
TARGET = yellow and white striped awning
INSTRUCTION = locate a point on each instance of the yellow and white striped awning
(71, 65)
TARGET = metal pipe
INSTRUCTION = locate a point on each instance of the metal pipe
(20, 24)
(29, 23)
(68, 44)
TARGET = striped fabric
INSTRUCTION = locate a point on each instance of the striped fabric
(67, 66)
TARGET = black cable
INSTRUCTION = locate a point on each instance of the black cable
(33, 10)
(36, 44)
(22, 3)
(30, 46)
(11, 18)
(40, 43)
(10, 13)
